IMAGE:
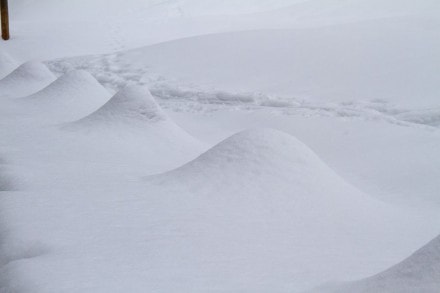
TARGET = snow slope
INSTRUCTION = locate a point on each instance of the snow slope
(418, 273)
(26, 79)
(132, 108)
(132, 120)
(388, 159)
(71, 97)
(7, 64)
(245, 202)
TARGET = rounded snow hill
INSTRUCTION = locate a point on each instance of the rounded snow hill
(26, 79)
(7, 64)
(269, 163)
(418, 273)
(262, 206)
(131, 106)
(71, 97)
(132, 120)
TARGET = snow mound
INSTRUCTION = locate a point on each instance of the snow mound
(260, 160)
(7, 64)
(133, 104)
(133, 120)
(71, 97)
(26, 79)
(259, 201)
(257, 152)
(418, 273)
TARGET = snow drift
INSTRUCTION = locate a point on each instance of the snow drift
(259, 212)
(418, 273)
(132, 119)
(261, 206)
(26, 79)
(72, 96)
(7, 64)
(131, 106)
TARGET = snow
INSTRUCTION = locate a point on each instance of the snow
(7, 64)
(133, 111)
(339, 63)
(26, 79)
(130, 105)
(420, 272)
(231, 216)
(63, 28)
(153, 8)
(220, 146)
(70, 97)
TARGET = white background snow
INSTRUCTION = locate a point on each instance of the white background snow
(220, 146)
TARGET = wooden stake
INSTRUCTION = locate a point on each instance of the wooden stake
(5, 19)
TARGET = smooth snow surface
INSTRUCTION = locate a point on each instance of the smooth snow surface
(65, 28)
(418, 273)
(26, 79)
(56, 9)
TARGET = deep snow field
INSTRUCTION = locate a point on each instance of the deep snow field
(220, 146)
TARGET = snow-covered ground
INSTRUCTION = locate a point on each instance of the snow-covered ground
(418, 273)
(220, 146)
